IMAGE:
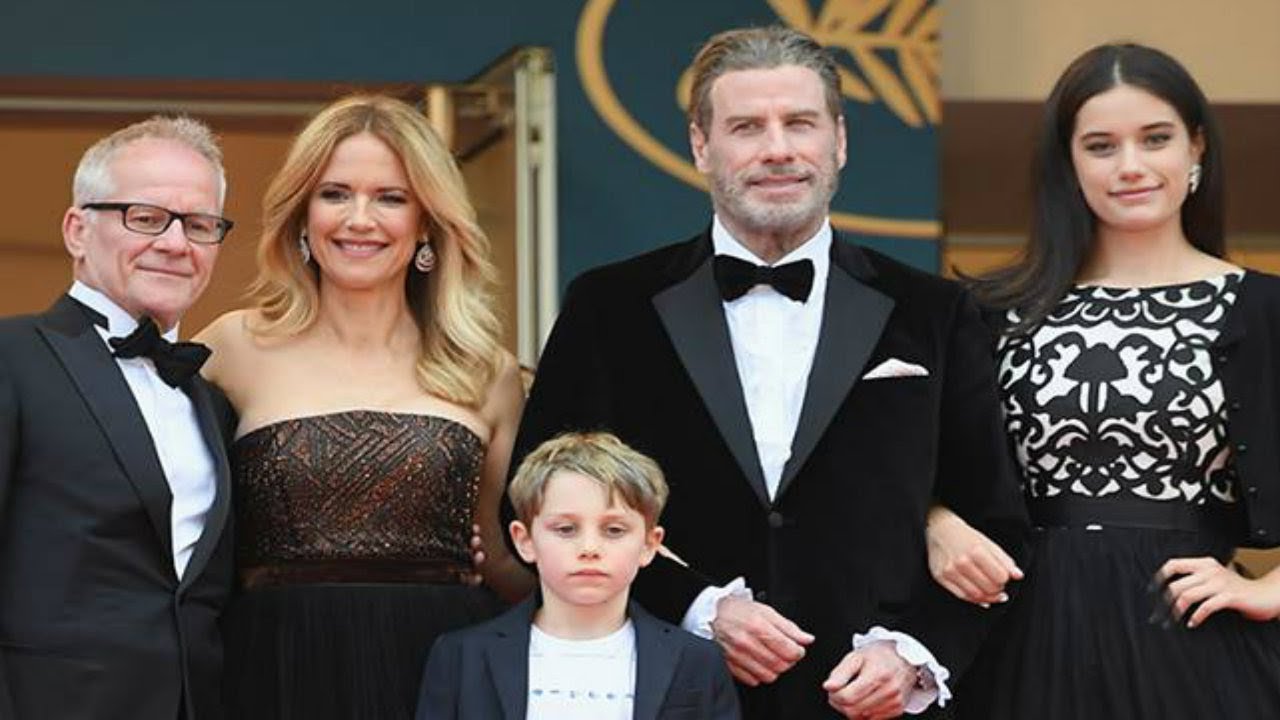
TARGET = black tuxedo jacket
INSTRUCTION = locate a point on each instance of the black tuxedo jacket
(482, 672)
(94, 622)
(642, 348)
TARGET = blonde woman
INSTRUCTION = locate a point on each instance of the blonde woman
(377, 412)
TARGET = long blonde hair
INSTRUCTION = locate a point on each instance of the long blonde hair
(453, 305)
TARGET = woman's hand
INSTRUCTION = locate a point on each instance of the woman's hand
(966, 562)
(1216, 587)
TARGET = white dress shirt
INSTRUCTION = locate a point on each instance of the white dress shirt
(774, 339)
(175, 430)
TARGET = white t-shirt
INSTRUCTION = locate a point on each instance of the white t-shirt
(582, 679)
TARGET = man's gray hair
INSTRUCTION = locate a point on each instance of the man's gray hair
(759, 49)
(93, 181)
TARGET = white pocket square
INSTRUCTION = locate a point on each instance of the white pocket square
(895, 368)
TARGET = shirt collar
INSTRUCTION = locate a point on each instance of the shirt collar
(119, 322)
(816, 249)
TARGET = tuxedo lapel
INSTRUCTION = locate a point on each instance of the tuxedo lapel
(216, 519)
(656, 661)
(99, 381)
(507, 655)
(693, 316)
(852, 319)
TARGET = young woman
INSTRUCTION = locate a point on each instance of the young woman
(377, 413)
(1137, 369)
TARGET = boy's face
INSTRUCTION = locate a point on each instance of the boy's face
(587, 550)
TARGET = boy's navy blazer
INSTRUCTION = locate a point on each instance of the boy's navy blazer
(482, 672)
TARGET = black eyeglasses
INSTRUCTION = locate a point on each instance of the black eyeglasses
(199, 228)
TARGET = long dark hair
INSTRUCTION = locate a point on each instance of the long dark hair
(1062, 225)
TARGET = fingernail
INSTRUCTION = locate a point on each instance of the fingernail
(1004, 598)
(985, 606)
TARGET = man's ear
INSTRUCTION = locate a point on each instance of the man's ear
(74, 229)
(523, 541)
(698, 146)
(652, 540)
(842, 142)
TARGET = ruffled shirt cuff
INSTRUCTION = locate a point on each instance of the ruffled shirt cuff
(931, 685)
(702, 611)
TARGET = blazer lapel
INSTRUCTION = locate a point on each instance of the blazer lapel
(853, 318)
(507, 655)
(693, 317)
(656, 661)
(99, 381)
(216, 519)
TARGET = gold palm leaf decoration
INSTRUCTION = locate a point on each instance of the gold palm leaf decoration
(907, 29)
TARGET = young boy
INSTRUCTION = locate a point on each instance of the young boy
(588, 509)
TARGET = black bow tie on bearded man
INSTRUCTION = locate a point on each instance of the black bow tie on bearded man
(735, 277)
(176, 363)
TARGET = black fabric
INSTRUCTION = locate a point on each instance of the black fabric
(735, 277)
(1089, 636)
(176, 363)
(641, 348)
(340, 651)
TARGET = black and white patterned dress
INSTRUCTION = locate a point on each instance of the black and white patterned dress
(1121, 431)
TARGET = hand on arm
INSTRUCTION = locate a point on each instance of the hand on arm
(1205, 582)
(759, 643)
(966, 562)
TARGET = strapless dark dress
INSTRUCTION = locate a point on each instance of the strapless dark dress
(353, 533)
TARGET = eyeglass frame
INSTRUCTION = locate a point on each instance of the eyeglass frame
(223, 224)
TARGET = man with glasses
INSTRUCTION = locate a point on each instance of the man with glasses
(115, 555)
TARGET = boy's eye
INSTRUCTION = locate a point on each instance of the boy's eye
(615, 530)
(564, 530)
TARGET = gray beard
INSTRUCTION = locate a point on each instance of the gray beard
(774, 219)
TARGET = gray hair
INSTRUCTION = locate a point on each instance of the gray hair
(93, 181)
(756, 49)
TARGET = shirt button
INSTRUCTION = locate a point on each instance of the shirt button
(1253, 490)
(776, 520)
(1222, 358)
(1235, 404)
(1242, 448)
(1260, 532)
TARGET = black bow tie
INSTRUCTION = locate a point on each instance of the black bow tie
(176, 362)
(735, 277)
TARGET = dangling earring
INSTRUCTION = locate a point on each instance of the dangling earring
(1193, 178)
(425, 259)
(304, 247)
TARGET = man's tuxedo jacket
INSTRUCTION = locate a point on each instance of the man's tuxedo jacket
(642, 348)
(94, 622)
(482, 672)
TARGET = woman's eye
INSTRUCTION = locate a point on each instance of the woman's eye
(1157, 140)
(1098, 147)
(333, 194)
(393, 199)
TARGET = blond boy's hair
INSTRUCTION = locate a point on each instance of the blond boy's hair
(624, 472)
